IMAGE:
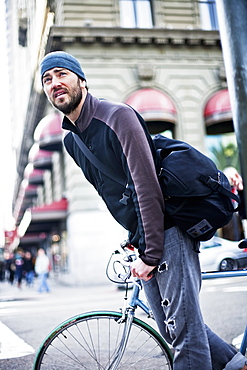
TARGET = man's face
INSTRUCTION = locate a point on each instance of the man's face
(63, 89)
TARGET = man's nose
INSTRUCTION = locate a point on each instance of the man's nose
(55, 81)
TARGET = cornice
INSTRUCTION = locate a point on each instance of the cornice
(126, 36)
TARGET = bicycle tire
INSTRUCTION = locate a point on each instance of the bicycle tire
(89, 341)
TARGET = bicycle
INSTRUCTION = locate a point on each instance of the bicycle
(112, 340)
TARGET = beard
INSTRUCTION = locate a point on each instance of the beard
(75, 98)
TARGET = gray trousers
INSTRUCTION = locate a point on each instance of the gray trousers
(173, 296)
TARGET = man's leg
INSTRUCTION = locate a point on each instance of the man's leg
(41, 283)
(173, 294)
(45, 284)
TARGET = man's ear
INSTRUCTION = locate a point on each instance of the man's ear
(82, 83)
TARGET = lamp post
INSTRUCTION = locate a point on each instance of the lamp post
(232, 18)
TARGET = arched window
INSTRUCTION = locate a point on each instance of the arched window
(157, 109)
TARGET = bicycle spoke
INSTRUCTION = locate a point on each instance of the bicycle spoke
(102, 342)
(74, 360)
(145, 356)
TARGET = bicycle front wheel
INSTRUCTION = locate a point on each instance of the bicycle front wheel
(92, 340)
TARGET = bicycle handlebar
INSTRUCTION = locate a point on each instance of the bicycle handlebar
(118, 267)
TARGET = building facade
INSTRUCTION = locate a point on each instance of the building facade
(162, 57)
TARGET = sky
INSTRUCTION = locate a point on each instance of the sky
(7, 169)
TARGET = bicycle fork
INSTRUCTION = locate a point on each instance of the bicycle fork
(127, 319)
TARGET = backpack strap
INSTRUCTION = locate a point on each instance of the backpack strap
(213, 184)
(102, 168)
(95, 161)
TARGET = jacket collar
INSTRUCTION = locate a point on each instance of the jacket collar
(87, 112)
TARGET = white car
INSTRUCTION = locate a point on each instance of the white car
(219, 254)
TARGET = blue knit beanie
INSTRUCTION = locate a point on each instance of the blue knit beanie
(62, 60)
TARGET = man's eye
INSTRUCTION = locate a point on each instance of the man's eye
(62, 73)
(46, 80)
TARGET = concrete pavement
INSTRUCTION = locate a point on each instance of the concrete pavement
(104, 295)
(18, 306)
(32, 315)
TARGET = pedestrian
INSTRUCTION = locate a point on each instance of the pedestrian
(168, 261)
(28, 268)
(10, 267)
(19, 261)
(2, 268)
(41, 267)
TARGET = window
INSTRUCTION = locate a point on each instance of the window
(208, 15)
(136, 13)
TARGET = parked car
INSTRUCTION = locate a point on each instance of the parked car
(218, 254)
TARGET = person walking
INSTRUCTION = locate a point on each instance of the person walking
(28, 268)
(19, 261)
(10, 267)
(41, 267)
(168, 262)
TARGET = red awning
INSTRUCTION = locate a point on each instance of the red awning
(52, 211)
(153, 105)
(218, 108)
(44, 219)
(36, 177)
(32, 238)
(42, 160)
(30, 191)
(49, 133)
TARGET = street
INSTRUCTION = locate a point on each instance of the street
(31, 316)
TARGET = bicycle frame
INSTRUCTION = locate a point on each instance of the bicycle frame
(223, 274)
(243, 346)
(128, 314)
(135, 301)
(130, 334)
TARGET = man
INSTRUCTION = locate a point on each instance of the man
(42, 269)
(116, 135)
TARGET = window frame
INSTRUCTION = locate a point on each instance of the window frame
(136, 14)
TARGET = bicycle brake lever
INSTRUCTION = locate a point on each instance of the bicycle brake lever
(124, 277)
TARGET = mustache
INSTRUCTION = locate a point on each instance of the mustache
(59, 90)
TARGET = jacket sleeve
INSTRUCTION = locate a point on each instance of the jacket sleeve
(146, 192)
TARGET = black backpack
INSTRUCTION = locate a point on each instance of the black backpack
(197, 195)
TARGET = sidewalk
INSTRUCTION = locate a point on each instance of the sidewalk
(105, 296)
(43, 311)
(54, 281)
(26, 304)
(102, 296)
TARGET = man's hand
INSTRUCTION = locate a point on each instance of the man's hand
(140, 270)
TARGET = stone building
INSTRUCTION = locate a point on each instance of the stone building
(162, 57)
